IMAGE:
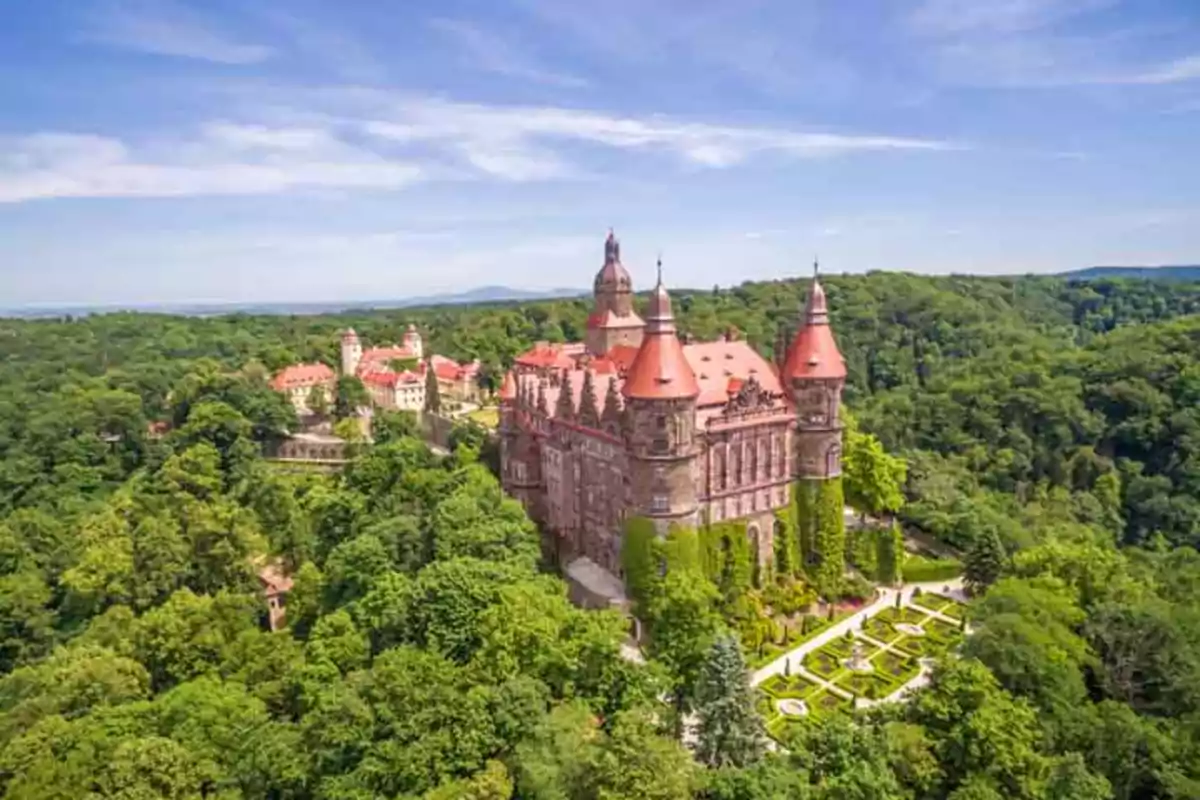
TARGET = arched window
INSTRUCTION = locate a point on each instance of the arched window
(735, 465)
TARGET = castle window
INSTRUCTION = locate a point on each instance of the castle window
(660, 504)
(660, 446)
(660, 423)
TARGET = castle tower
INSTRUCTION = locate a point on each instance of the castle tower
(613, 320)
(412, 340)
(815, 374)
(351, 352)
(660, 394)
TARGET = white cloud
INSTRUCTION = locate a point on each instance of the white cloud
(165, 28)
(225, 160)
(492, 53)
(529, 132)
(414, 140)
(1183, 69)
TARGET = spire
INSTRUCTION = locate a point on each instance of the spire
(542, 407)
(565, 407)
(589, 411)
(660, 370)
(612, 249)
(814, 352)
(612, 405)
(659, 315)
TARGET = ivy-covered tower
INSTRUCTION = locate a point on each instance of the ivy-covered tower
(660, 392)
(815, 374)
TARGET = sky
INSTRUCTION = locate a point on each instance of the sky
(305, 150)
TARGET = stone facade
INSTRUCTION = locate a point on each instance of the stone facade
(634, 422)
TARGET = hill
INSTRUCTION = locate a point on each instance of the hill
(1160, 273)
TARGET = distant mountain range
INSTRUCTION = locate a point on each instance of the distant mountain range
(483, 294)
(1164, 273)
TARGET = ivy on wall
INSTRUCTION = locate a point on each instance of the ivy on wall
(822, 531)
(639, 558)
(890, 554)
(787, 552)
(727, 557)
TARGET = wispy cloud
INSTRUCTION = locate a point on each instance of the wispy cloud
(408, 140)
(490, 52)
(530, 133)
(224, 159)
(165, 28)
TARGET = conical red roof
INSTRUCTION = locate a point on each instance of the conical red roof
(660, 370)
(814, 353)
(508, 391)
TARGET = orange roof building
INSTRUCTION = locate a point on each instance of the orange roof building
(637, 421)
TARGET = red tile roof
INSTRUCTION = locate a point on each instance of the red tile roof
(814, 352)
(394, 353)
(390, 378)
(660, 370)
(722, 366)
(299, 375)
(558, 356)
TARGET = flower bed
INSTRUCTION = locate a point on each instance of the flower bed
(872, 685)
(824, 663)
(827, 702)
(899, 669)
(928, 601)
(788, 686)
(880, 630)
(916, 646)
(942, 631)
(953, 608)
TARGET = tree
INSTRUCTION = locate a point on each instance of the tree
(318, 400)
(984, 561)
(683, 625)
(351, 395)
(730, 730)
(635, 763)
(433, 393)
(874, 480)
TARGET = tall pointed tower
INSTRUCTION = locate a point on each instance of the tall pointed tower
(613, 320)
(660, 394)
(815, 374)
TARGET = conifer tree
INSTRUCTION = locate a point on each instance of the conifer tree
(730, 731)
(433, 395)
(984, 561)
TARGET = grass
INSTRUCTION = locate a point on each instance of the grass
(942, 631)
(489, 416)
(927, 601)
(823, 663)
(953, 608)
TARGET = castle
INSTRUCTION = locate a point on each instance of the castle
(637, 422)
(394, 376)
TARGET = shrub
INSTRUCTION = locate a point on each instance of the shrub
(918, 569)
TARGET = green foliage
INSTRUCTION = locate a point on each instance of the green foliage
(639, 558)
(433, 392)
(425, 656)
(730, 732)
(349, 397)
(984, 561)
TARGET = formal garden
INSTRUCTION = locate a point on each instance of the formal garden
(871, 662)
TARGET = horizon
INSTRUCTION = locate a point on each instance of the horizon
(172, 152)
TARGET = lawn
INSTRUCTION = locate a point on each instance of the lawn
(928, 601)
(489, 416)
(953, 608)
(823, 663)
(942, 631)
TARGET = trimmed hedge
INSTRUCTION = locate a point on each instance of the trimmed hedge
(918, 569)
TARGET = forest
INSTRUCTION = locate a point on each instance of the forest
(1050, 431)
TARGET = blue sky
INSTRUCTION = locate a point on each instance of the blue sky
(198, 150)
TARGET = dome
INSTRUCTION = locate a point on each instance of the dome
(612, 274)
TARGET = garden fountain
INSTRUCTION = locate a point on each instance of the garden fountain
(792, 708)
(856, 662)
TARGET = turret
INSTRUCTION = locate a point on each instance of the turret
(613, 320)
(660, 393)
(815, 374)
(351, 352)
(412, 340)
